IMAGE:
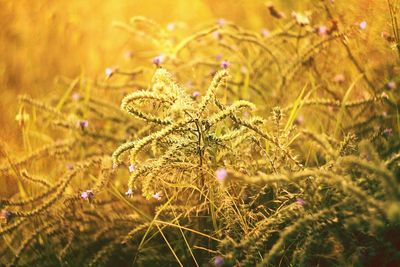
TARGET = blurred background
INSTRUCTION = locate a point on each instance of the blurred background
(43, 40)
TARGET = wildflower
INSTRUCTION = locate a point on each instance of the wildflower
(225, 64)
(300, 201)
(131, 168)
(339, 78)
(5, 215)
(158, 60)
(87, 195)
(195, 94)
(83, 124)
(157, 195)
(221, 22)
(363, 25)
(129, 193)
(388, 132)
(221, 174)
(391, 85)
(75, 97)
(322, 30)
(218, 261)
(69, 166)
(218, 57)
(299, 120)
(109, 72)
(265, 33)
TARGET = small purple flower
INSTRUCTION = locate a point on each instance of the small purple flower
(75, 97)
(391, 85)
(195, 94)
(87, 195)
(225, 64)
(83, 124)
(70, 166)
(129, 193)
(221, 22)
(363, 25)
(300, 201)
(218, 261)
(5, 215)
(322, 30)
(218, 57)
(221, 174)
(299, 120)
(131, 168)
(158, 60)
(157, 195)
(109, 72)
(388, 132)
(265, 33)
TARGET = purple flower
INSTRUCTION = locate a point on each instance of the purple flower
(87, 195)
(131, 168)
(388, 132)
(391, 85)
(109, 72)
(221, 174)
(75, 97)
(218, 57)
(83, 124)
(218, 261)
(129, 193)
(69, 166)
(195, 94)
(322, 30)
(225, 64)
(221, 22)
(363, 25)
(157, 195)
(5, 215)
(299, 120)
(300, 201)
(265, 33)
(158, 60)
